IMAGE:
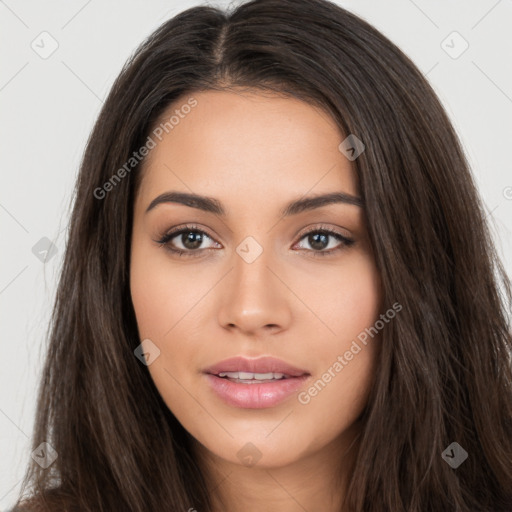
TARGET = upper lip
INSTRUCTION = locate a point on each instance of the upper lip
(259, 365)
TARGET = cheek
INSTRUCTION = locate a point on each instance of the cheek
(346, 355)
(161, 295)
(357, 302)
(335, 399)
(163, 300)
(344, 299)
(167, 299)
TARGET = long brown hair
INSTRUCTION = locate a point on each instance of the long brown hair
(445, 372)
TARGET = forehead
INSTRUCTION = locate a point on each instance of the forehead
(243, 146)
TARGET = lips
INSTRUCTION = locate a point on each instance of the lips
(262, 365)
(255, 383)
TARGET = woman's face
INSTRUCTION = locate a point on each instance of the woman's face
(255, 281)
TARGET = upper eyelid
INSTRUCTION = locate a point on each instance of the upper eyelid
(169, 235)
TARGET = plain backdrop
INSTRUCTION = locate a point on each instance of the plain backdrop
(58, 61)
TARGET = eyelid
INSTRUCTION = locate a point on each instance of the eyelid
(172, 233)
(315, 226)
(344, 239)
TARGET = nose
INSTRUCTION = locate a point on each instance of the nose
(254, 298)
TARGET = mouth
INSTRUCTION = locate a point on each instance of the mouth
(253, 378)
(262, 368)
(255, 383)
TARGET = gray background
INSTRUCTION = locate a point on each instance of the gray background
(49, 104)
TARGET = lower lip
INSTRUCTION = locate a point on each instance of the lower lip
(257, 395)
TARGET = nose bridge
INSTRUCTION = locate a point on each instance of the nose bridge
(251, 265)
(253, 296)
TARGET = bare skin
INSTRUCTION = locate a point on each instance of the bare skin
(256, 153)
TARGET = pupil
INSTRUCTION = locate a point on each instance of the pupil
(192, 239)
(314, 241)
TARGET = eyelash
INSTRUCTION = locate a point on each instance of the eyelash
(164, 241)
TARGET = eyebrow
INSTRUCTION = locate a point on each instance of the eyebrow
(212, 205)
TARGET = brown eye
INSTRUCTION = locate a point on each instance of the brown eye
(189, 237)
(319, 240)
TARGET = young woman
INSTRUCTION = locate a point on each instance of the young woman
(279, 290)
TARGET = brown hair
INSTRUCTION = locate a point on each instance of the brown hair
(445, 370)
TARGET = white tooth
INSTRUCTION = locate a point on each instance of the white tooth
(251, 376)
(263, 376)
(231, 375)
